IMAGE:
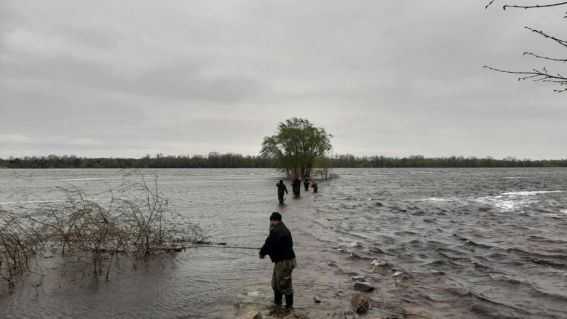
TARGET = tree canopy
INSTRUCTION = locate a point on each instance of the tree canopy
(544, 73)
(296, 146)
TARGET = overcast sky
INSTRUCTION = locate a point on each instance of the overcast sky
(395, 78)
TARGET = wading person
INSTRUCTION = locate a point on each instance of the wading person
(314, 185)
(296, 186)
(306, 184)
(279, 246)
(282, 190)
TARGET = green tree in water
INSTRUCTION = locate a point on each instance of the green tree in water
(296, 146)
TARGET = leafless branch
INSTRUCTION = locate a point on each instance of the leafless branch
(489, 4)
(547, 36)
(535, 6)
(537, 75)
(545, 58)
(542, 75)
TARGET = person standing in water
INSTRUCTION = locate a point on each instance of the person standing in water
(306, 183)
(282, 190)
(296, 187)
(279, 246)
(314, 185)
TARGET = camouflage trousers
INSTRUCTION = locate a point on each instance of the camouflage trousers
(281, 279)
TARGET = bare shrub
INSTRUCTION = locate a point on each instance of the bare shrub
(131, 219)
(19, 242)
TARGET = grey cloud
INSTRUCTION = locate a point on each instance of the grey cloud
(176, 80)
(385, 77)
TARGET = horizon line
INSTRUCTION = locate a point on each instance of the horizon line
(333, 156)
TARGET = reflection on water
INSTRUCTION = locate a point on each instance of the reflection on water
(438, 243)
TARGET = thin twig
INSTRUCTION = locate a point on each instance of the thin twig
(544, 57)
(534, 6)
(561, 42)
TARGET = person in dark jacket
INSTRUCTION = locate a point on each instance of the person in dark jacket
(279, 246)
(306, 184)
(281, 191)
(296, 187)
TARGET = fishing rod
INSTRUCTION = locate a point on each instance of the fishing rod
(219, 245)
(223, 246)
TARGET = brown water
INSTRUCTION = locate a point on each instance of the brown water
(452, 243)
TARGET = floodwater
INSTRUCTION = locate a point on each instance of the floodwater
(445, 243)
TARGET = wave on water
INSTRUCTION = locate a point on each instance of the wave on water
(529, 193)
(507, 201)
(510, 201)
(85, 179)
(503, 203)
(436, 199)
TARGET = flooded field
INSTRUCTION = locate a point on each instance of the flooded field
(436, 243)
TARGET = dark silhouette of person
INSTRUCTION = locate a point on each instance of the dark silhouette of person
(306, 184)
(282, 190)
(296, 187)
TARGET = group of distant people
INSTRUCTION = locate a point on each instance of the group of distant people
(296, 187)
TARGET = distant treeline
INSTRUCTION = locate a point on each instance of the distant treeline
(451, 161)
(229, 160)
(213, 160)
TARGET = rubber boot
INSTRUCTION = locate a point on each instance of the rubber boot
(278, 298)
(289, 301)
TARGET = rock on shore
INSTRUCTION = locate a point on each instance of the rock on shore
(360, 303)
